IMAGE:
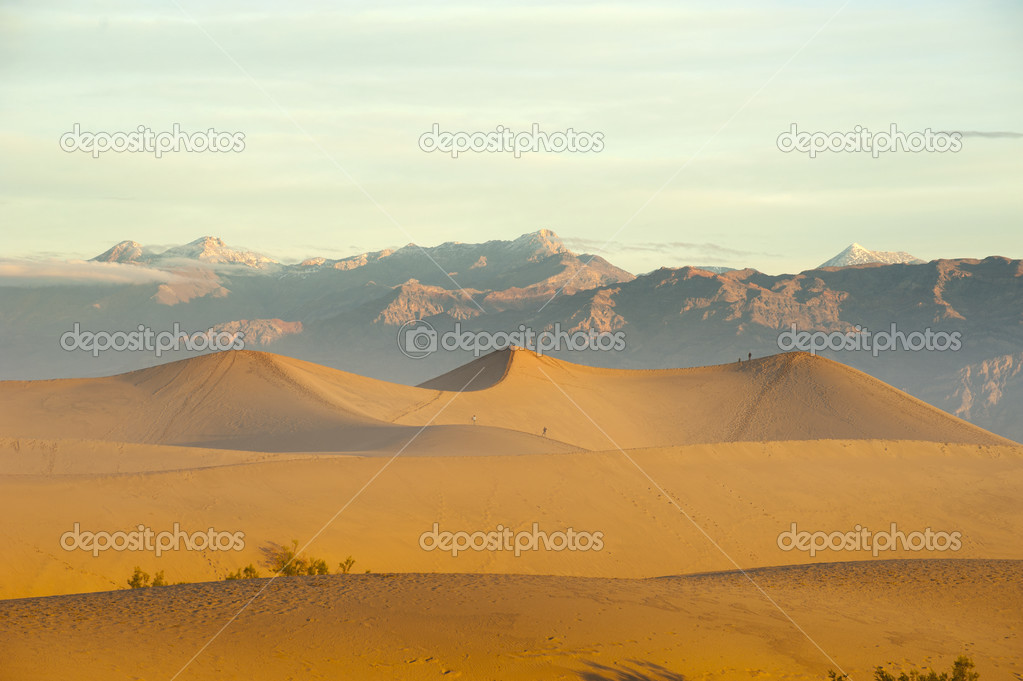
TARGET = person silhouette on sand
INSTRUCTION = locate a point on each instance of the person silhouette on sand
(749, 355)
(544, 431)
(474, 419)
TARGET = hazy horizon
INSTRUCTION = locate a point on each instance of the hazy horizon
(689, 101)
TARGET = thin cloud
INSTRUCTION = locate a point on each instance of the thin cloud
(706, 250)
(28, 273)
(997, 134)
(187, 265)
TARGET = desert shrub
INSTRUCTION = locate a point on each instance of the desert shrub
(285, 561)
(962, 670)
(281, 560)
(139, 579)
(247, 572)
(317, 566)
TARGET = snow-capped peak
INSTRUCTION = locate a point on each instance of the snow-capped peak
(539, 244)
(124, 252)
(207, 249)
(211, 249)
(856, 254)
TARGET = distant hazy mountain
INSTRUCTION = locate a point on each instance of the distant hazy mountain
(858, 255)
(501, 273)
(347, 312)
(207, 249)
(716, 269)
(990, 391)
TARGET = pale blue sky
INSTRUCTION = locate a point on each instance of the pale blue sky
(697, 92)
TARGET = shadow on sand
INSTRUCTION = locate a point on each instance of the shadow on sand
(638, 671)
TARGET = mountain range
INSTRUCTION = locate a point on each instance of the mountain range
(346, 313)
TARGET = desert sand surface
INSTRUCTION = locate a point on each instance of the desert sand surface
(741, 495)
(416, 626)
(688, 475)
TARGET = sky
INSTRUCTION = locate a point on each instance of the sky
(689, 100)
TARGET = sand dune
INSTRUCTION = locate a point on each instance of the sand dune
(793, 396)
(217, 400)
(247, 401)
(261, 402)
(413, 626)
